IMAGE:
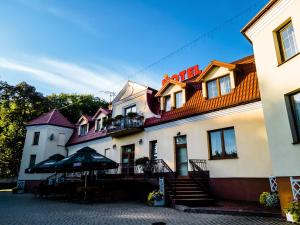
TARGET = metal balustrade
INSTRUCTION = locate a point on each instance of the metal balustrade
(295, 184)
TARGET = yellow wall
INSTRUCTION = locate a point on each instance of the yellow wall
(253, 155)
(275, 81)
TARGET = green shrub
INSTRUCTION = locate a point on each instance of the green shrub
(272, 200)
(14, 190)
(263, 197)
(294, 209)
(142, 161)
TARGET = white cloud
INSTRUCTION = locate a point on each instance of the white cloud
(74, 78)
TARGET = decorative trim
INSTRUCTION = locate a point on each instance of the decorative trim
(268, 17)
(207, 116)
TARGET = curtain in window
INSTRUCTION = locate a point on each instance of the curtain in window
(229, 142)
(225, 85)
(168, 103)
(216, 144)
(178, 99)
(212, 89)
(296, 107)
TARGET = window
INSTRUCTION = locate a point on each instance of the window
(83, 130)
(167, 103)
(98, 125)
(218, 87)
(293, 106)
(178, 99)
(36, 138)
(153, 150)
(287, 42)
(222, 144)
(61, 139)
(32, 161)
(130, 109)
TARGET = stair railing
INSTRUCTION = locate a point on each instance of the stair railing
(163, 169)
(199, 167)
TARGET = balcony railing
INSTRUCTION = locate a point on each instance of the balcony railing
(126, 125)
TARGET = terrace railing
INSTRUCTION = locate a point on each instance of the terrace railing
(126, 123)
(200, 174)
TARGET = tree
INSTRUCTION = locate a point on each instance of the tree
(73, 106)
(18, 104)
(22, 103)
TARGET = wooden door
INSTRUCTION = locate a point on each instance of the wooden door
(128, 160)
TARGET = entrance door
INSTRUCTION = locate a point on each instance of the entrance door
(128, 159)
(181, 155)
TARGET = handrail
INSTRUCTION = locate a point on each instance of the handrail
(199, 168)
(160, 166)
(198, 164)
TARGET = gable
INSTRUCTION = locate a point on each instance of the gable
(216, 72)
(130, 89)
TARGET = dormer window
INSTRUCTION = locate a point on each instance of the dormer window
(167, 106)
(98, 124)
(218, 87)
(178, 100)
(83, 129)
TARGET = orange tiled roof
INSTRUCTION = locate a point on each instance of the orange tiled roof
(246, 91)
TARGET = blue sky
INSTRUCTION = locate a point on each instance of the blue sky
(86, 46)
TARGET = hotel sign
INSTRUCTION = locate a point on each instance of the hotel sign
(183, 75)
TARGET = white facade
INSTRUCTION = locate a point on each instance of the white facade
(276, 80)
(50, 142)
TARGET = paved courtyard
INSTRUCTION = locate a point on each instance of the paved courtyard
(25, 209)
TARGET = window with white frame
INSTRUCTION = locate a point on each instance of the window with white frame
(167, 103)
(98, 124)
(218, 87)
(83, 129)
(178, 99)
(287, 42)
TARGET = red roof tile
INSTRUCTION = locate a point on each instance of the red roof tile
(91, 135)
(246, 91)
(54, 117)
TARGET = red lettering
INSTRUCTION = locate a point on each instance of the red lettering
(182, 75)
(175, 77)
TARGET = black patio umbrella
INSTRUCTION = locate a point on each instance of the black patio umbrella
(46, 166)
(85, 159)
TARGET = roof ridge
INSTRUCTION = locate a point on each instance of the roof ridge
(50, 117)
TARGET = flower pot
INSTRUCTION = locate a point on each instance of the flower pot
(289, 218)
(159, 202)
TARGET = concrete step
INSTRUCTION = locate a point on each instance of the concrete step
(194, 202)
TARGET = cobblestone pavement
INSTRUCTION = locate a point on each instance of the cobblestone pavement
(25, 209)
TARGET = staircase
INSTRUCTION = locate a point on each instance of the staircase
(191, 190)
(186, 191)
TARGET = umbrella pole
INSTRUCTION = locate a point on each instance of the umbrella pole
(85, 185)
(55, 178)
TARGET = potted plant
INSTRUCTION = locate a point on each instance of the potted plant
(119, 117)
(131, 115)
(145, 164)
(293, 212)
(156, 198)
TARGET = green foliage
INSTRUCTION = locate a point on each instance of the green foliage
(142, 161)
(132, 114)
(294, 209)
(269, 199)
(77, 104)
(263, 197)
(22, 103)
(154, 196)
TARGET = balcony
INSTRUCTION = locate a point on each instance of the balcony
(121, 126)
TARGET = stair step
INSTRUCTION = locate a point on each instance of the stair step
(194, 202)
(201, 196)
